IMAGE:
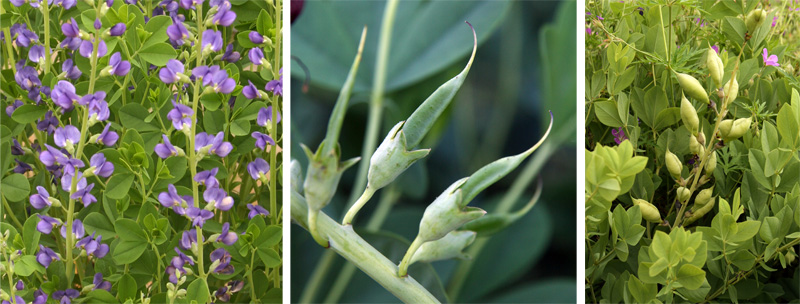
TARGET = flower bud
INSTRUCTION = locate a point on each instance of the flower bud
(689, 115)
(673, 164)
(448, 247)
(181, 293)
(754, 19)
(692, 87)
(711, 163)
(445, 214)
(684, 194)
(649, 212)
(170, 294)
(391, 159)
(86, 289)
(715, 66)
(730, 91)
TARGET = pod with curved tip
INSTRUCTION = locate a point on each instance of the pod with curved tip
(684, 194)
(694, 146)
(715, 66)
(692, 87)
(730, 91)
(754, 19)
(673, 164)
(703, 197)
(649, 212)
(448, 247)
(689, 116)
(711, 163)
(738, 128)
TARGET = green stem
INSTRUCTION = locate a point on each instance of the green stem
(46, 13)
(348, 218)
(312, 228)
(376, 98)
(352, 247)
(9, 49)
(403, 271)
(11, 214)
(250, 275)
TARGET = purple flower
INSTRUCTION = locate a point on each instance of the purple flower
(17, 3)
(771, 60)
(255, 37)
(71, 43)
(207, 178)
(89, 98)
(108, 138)
(265, 116)
(181, 116)
(118, 66)
(172, 200)
(190, 4)
(97, 24)
(224, 15)
(98, 109)
(16, 148)
(102, 167)
(66, 180)
(40, 200)
(20, 286)
(255, 55)
(165, 149)
(63, 95)
(92, 246)
(227, 237)
(27, 77)
(184, 259)
(230, 55)
(177, 31)
(224, 293)
(224, 258)
(619, 135)
(21, 167)
(276, 86)
(774, 21)
(67, 4)
(77, 229)
(262, 140)
(49, 123)
(219, 198)
(99, 283)
(45, 256)
(53, 156)
(85, 195)
(198, 216)
(39, 297)
(256, 210)
(169, 74)
(221, 82)
(65, 296)
(217, 145)
(87, 48)
(257, 168)
(212, 40)
(189, 238)
(13, 106)
(250, 91)
(716, 48)
(67, 136)
(46, 224)
(205, 73)
(36, 53)
(117, 30)
(25, 37)
(71, 70)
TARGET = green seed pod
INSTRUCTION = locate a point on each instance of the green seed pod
(448, 247)
(754, 19)
(445, 214)
(391, 158)
(692, 87)
(673, 164)
(695, 146)
(696, 215)
(296, 174)
(715, 66)
(711, 163)
(703, 197)
(649, 212)
(684, 194)
(725, 127)
(701, 138)
(730, 91)
(738, 129)
(689, 116)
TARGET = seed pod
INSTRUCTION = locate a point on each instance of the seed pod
(695, 146)
(448, 247)
(684, 194)
(673, 164)
(689, 116)
(738, 129)
(701, 138)
(730, 91)
(711, 163)
(392, 158)
(703, 197)
(446, 214)
(725, 127)
(715, 66)
(692, 87)
(754, 19)
(696, 215)
(649, 212)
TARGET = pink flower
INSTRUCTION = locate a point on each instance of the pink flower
(770, 59)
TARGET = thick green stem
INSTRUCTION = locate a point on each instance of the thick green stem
(192, 154)
(348, 218)
(312, 228)
(403, 271)
(352, 247)
(46, 42)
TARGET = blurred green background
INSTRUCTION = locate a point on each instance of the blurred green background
(525, 65)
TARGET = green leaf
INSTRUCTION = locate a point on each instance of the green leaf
(26, 265)
(240, 127)
(269, 256)
(128, 230)
(270, 236)
(133, 116)
(642, 292)
(198, 291)
(690, 276)
(100, 296)
(30, 235)
(243, 39)
(97, 222)
(158, 54)
(126, 288)
(15, 187)
(118, 186)
(607, 113)
(28, 113)
(157, 25)
(128, 252)
(667, 117)
(264, 23)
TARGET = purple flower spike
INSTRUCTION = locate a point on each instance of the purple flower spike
(166, 149)
(230, 55)
(262, 140)
(117, 30)
(67, 136)
(219, 198)
(198, 216)
(86, 49)
(250, 91)
(119, 67)
(265, 116)
(70, 69)
(256, 210)
(40, 200)
(212, 40)
(13, 106)
(171, 199)
(108, 138)
(102, 167)
(169, 74)
(46, 224)
(276, 86)
(181, 116)
(45, 256)
(36, 53)
(257, 168)
(63, 95)
(77, 229)
(227, 237)
(255, 37)
(224, 15)
(99, 283)
(27, 77)
(255, 55)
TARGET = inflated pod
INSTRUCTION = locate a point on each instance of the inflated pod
(737, 129)
(730, 91)
(673, 164)
(649, 212)
(689, 116)
(692, 87)
(711, 163)
(684, 194)
(695, 146)
(703, 197)
(754, 19)
(715, 66)
(725, 127)
(696, 215)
